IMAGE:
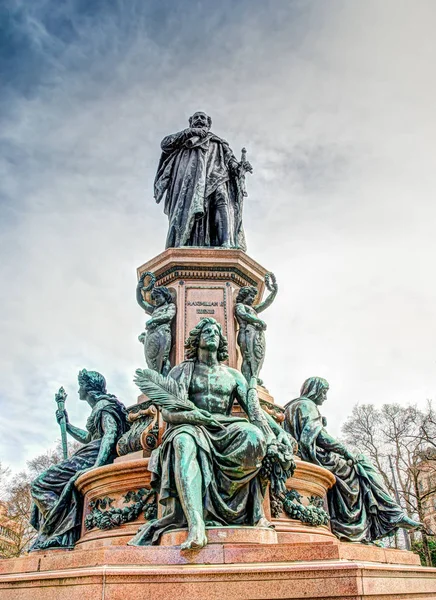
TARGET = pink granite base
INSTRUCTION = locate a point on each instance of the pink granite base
(319, 580)
(321, 570)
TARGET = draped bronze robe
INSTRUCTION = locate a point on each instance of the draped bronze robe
(58, 506)
(229, 460)
(190, 171)
(361, 508)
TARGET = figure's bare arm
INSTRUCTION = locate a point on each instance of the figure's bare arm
(166, 315)
(108, 441)
(271, 283)
(192, 417)
(249, 401)
(149, 308)
(80, 435)
(244, 315)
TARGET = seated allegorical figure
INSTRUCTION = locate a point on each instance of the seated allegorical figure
(57, 509)
(206, 470)
(360, 506)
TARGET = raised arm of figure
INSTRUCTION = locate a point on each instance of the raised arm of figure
(149, 308)
(273, 287)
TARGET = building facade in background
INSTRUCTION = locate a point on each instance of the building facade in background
(9, 533)
(427, 490)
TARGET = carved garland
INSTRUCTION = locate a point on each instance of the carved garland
(103, 516)
(311, 514)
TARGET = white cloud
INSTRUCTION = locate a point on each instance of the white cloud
(334, 102)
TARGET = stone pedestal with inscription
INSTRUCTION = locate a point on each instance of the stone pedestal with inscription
(205, 282)
(294, 560)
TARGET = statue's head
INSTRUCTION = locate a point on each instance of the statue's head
(207, 335)
(246, 295)
(315, 389)
(161, 295)
(200, 119)
(91, 384)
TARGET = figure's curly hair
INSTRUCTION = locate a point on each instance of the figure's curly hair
(161, 289)
(192, 343)
(94, 385)
(244, 292)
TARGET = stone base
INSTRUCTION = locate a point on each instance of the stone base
(319, 570)
(224, 535)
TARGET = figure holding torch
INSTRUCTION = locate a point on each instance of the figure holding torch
(61, 417)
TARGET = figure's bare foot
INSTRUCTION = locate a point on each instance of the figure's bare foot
(263, 522)
(410, 524)
(196, 537)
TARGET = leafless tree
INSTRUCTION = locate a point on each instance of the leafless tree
(401, 438)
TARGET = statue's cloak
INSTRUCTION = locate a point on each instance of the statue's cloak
(229, 458)
(360, 506)
(190, 171)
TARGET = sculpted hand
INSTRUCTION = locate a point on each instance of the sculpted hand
(202, 417)
(60, 414)
(246, 166)
(200, 131)
(283, 438)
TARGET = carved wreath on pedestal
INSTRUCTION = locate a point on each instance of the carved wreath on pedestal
(310, 514)
(104, 516)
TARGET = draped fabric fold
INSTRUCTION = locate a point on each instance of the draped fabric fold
(57, 508)
(361, 508)
(229, 460)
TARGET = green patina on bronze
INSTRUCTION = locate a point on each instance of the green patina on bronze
(58, 506)
(361, 508)
(104, 516)
(207, 469)
(251, 335)
(312, 513)
(157, 337)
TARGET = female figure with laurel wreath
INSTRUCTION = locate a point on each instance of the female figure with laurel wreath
(251, 335)
(58, 506)
(157, 338)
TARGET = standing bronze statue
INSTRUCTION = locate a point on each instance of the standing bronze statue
(203, 185)
(251, 335)
(361, 508)
(157, 337)
(207, 469)
(58, 506)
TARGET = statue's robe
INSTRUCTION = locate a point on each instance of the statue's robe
(360, 506)
(191, 170)
(229, 460)
(58, 505)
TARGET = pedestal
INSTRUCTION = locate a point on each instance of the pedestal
(292, 561)
(205, 282)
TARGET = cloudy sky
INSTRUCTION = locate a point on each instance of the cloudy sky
(335, 104)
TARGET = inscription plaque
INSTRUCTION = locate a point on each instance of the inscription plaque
(205, 301)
